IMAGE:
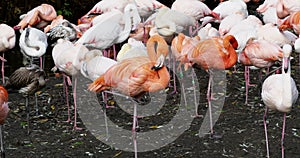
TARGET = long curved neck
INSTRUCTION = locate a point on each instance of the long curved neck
(162, 82)
(162, 47)
(230, 44)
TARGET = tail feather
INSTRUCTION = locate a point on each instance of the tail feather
(98, 85)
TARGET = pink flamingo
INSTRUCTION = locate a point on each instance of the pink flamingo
(68, 59)
(7, 41)
(38, 17)
(258, 53)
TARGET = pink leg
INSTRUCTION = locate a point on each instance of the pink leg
(75, 106)
(174, 76)
(115, 52)
(266, 132)
(208, 95)
(134, 124)
(247, 80)
(282, 136)
(41, 62)
(104, 94)
(2, 70)
(67, 96)
(195, 96)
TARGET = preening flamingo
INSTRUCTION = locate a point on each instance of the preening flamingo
(271, 33)
(213, 53)
(7, 41)
(27, 80)
(208, 31)
(38, 17)
(3, 114)
(259, 53)
(135, 76)
(226, 8)
(169, 22)
(279, 92)
(194, 8)
(147, 7)
(287, 7)
(115, 29)
(132, 48)
(68, 59)
(103, 7)
(95, 64)
(292, 21)
(33, 44)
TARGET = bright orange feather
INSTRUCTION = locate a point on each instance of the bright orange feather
(134, 76)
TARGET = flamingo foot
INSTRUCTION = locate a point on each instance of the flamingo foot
(109, 107)
(77, 128)
(68, 120)
(197, 116)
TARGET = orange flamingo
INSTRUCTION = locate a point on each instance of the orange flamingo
(214, 53)
(135, 76)
(3, 114)
(293, 22)
(39, 16)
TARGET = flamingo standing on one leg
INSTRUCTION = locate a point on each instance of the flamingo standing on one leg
(7, 41)
(258, 53)
(27, 80)
(3, 114)
(214, 53)
(68, 58)
(33, 43)
(279, 92)
(135, 76)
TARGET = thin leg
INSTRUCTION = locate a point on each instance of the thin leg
(41, 62)
(195, 96)
(105, 117)
(36, 104)
(183, 88)
(208, 95)
(2, 70)
(282, 136)
(67, 96)
(266, 132)
(75, 105)
(1, 140)
(27, 117)
(246, 75)
(174, 76)
(115, 52)
(134, 129)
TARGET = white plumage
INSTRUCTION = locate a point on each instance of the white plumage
(279, 91)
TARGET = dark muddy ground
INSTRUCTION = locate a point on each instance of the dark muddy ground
(239, 129)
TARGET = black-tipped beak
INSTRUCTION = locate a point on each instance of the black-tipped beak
(286, 64)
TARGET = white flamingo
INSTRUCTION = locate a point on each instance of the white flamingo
(33, 44)
(110, 31)
(68, 58)
(7, 41)
(279, 92)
